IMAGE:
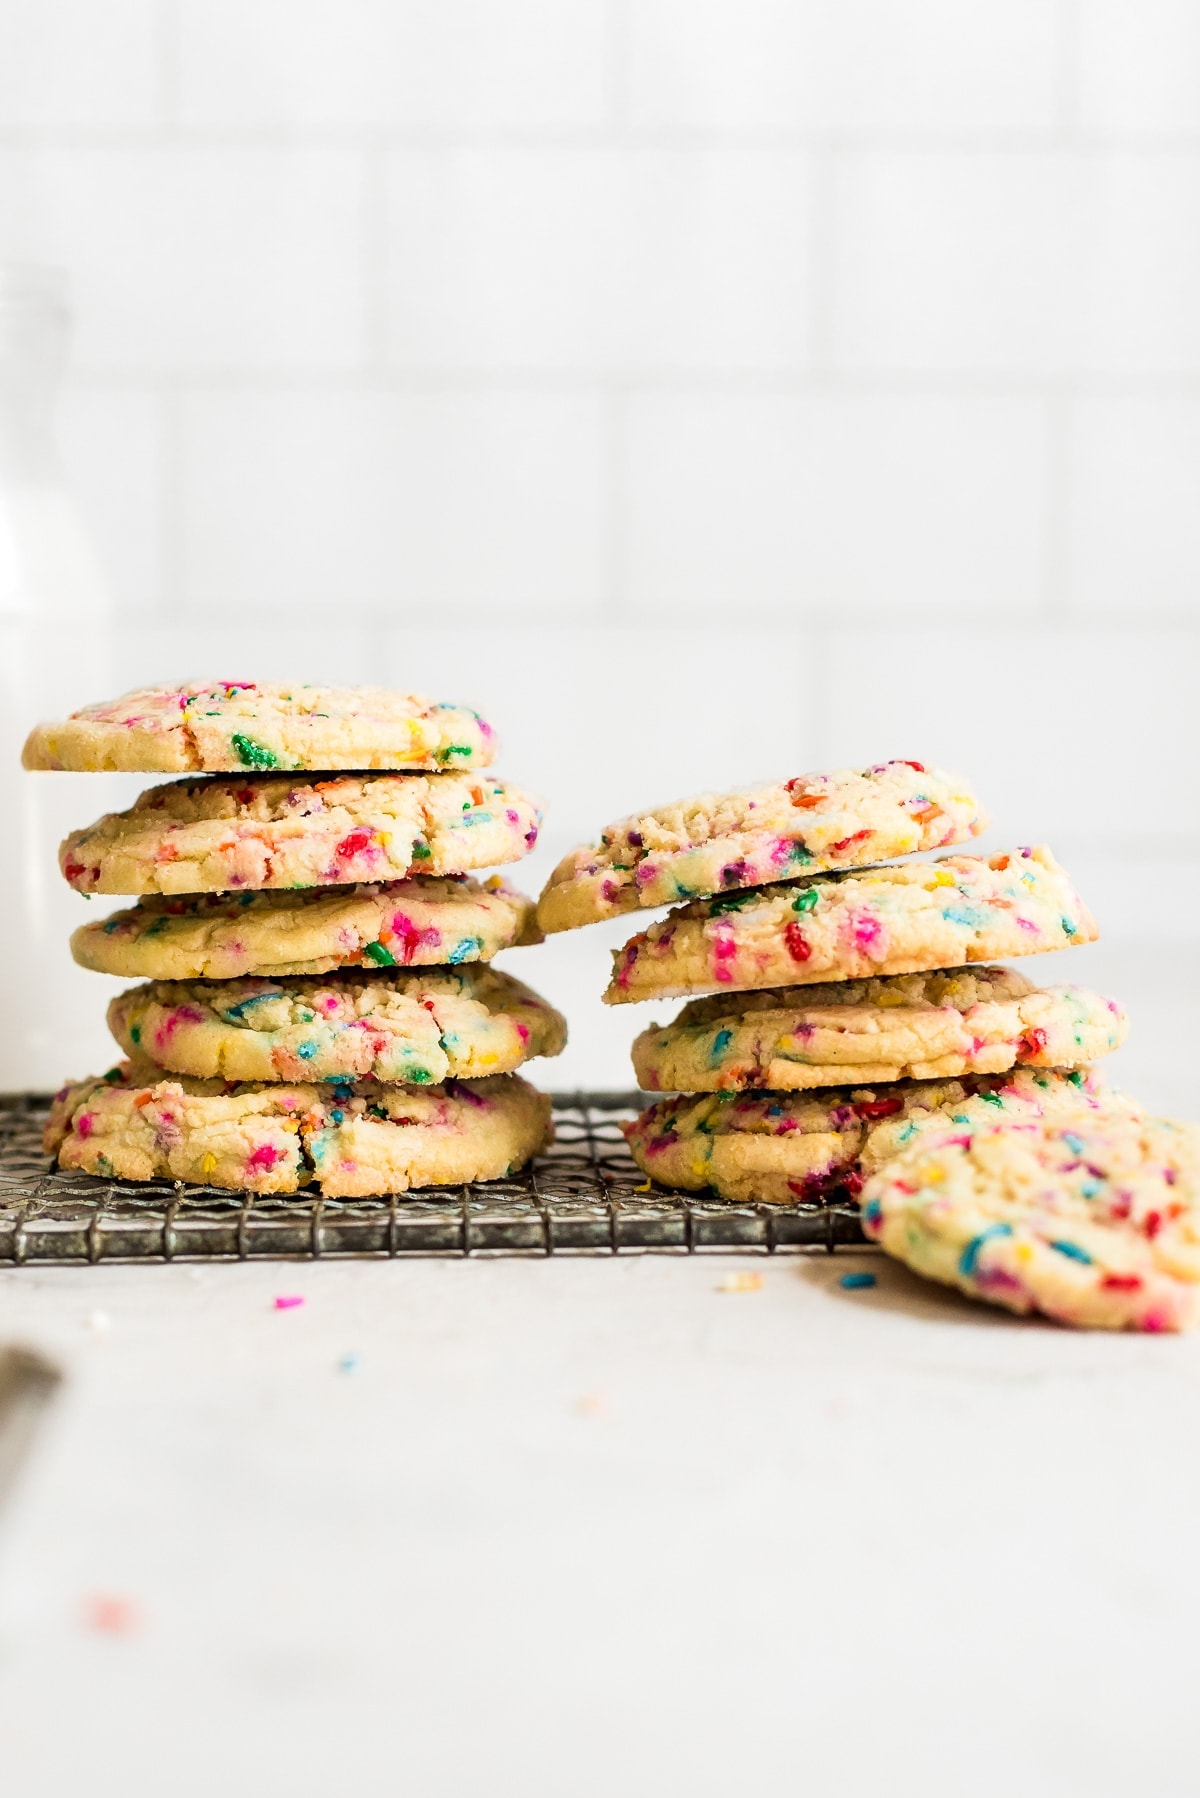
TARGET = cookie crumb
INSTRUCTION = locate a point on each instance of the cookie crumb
(743, 1282)
(99, 1321)
(591, 1404)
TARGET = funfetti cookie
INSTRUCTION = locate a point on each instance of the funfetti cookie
(795, 1148)
(230, 726)
(219, 835)
(725, 842)
(350, 1141)
(419, 1026)
(1092, 1221)
(896, 920)
(419, 922)
(897, 1027)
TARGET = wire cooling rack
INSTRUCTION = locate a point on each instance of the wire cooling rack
(585, 1196)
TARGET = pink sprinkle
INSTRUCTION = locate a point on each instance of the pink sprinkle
(867, 931)
(289, 1302)
(265, 1156)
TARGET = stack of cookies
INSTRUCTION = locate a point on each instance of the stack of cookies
(317, 1004)
(852, 1014)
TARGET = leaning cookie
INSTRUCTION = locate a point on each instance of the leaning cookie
(419, 922)
(222, 727)
(419, 1026)
(719, 842)
(350, 1141)
(898, 920)
(206, 836)
(897, 1027)
(787, 1149)
(1093, 1222)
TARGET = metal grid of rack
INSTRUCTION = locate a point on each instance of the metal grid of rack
(585, 1196)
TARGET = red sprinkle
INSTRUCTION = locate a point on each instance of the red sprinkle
(798, 946)
(1121, 1282)
(354, 843)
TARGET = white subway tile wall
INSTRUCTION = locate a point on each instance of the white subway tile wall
(704, 387)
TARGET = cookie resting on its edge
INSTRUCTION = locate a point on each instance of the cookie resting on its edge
(1093, 1221)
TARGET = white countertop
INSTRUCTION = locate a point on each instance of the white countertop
(586, 1527)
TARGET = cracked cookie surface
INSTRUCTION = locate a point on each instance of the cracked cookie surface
(897, 1027)
(419, 922)
(721, 842)
(417, 1027)
(907, 919)
(218, 835)
(349, 1141)
(1092, 1221)
(793, 1148)
(224, 727)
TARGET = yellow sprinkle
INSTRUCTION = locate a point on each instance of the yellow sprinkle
(1024, 1252)
(741, 1283)
(645, 1188)
(931, 1174)
(208, 1164)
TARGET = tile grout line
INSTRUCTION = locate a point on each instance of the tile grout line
(169, 62)
(822, 280)
(614, 582)
(1056, 552)
(169, 484)
(1067, 76)
(374, 262)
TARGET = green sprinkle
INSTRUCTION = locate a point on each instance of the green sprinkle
(135, 1033)
(422, 852)
(731, 902)
(463, 749)
(808, 900)
(252, 754)
(383, 958)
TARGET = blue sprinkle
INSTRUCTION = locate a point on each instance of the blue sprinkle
(855, 1282)
(1073, 1142)
(721, 1042)
(970, 917)
(464, 949)
(872, 1211)
(1073, 1252)
(970, 1255)
(306, 1051)
(1067, 926)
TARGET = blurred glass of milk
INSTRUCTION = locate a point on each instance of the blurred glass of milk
(55, 654)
